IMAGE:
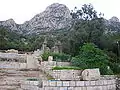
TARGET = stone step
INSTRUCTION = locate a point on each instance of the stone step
(8, 87)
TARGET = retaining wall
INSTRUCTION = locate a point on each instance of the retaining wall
(14, 56)
(71, 85)
(66, 74)
(46, 66)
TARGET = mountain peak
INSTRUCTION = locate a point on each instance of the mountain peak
(114, 19)
(56, 16)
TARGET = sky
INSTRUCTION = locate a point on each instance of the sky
(24, 10)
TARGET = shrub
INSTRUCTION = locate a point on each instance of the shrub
(115, 67)
(92, 57)
(56, 56)
(61, 57)
(45, 56)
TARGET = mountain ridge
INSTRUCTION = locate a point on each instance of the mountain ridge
(55, 17)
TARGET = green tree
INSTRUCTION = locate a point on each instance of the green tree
(90, 56)
(87, 26)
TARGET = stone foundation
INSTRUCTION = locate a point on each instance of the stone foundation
(72, 85)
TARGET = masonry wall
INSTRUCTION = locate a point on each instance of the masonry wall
(80, 85)
(71, 85)
(47, 65)
(10, 56)
(66, 74)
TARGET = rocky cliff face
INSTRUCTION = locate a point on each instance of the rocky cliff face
(113, 24)
(55, 17)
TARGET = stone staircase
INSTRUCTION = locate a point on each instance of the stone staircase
(15, 79)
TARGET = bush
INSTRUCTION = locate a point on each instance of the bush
(61, 57)
(92, 57)
(115, 67)
(45, 56)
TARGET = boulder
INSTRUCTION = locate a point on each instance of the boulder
(91, 74)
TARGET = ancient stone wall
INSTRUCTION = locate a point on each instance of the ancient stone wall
(66, 74)
(13, 56)
(47, 66)
(70, 85)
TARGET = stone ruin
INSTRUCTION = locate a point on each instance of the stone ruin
(56, 49)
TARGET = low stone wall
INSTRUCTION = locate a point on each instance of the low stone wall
(14, 56)
(70, 85)
(80, 85)
(66, 74)
(46, 66)
(31, 85)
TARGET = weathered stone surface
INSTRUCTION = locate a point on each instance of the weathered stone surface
(66, 74)
(59, 83)
(91, 74)
(80, 83)
(56, 16)
(52, 83)
(12, 51)
(32, 62)
(50, 58)
(66, 83)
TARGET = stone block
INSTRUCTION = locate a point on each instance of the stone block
(59, 83)
(87, 83)
(92, 83)
(29, 87)
(51, 88)
(72, 83)
(84, 88)
(52, 83)
(113, 81)
(111, 87)
(105, 82)
(99, 87)
(91, 74)
(63, 88)
(78, 88)
(90, 88)
(45, 83)
(33, 82)
(80, 83)
(71, 88)
(66, 83)
(50, 58)
(104, 87)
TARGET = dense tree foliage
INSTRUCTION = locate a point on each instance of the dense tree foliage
(90, 56)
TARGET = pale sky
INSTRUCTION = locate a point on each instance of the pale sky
(23, 10)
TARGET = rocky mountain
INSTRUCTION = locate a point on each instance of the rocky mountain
(55, 17)
(113, 24)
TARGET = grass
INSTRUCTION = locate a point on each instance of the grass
(66, 68)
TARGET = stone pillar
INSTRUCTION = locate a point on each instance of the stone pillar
(32, 62)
